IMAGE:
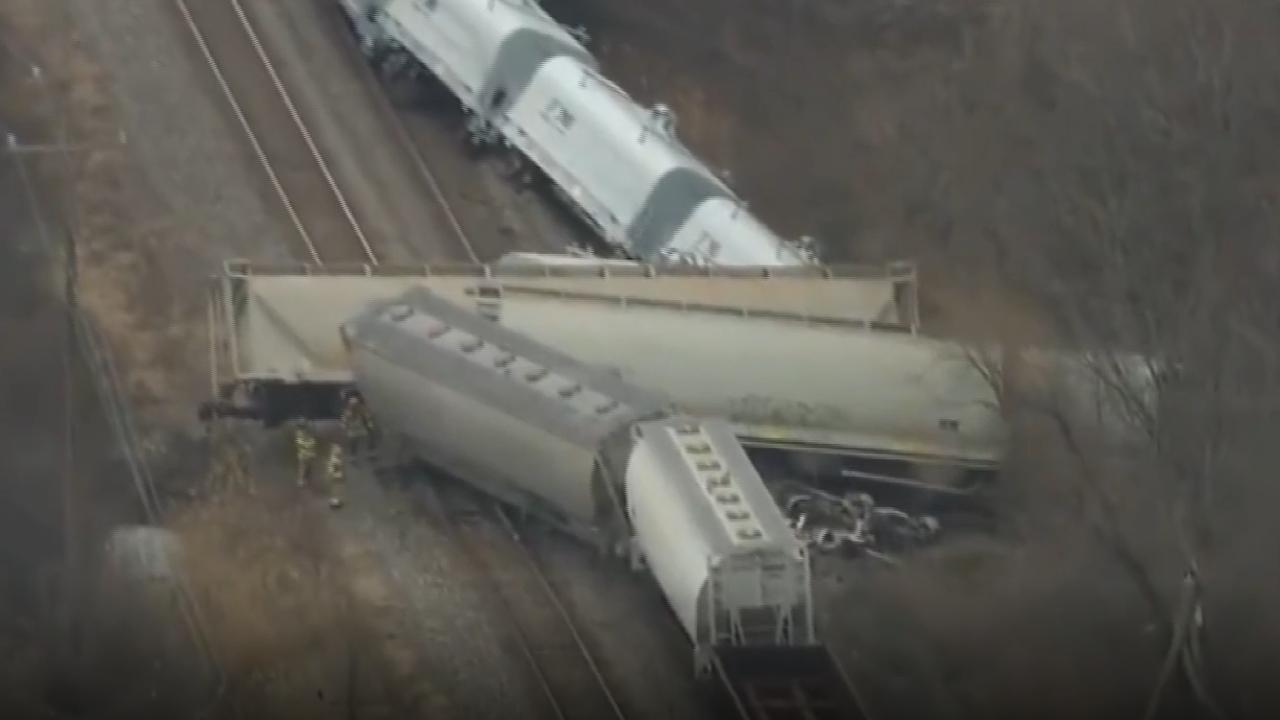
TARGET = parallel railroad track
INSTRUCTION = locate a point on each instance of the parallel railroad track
(417, 150)
(329, 231)
(572, 682)
(326, 226)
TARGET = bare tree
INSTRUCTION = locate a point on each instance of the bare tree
(1140, 212)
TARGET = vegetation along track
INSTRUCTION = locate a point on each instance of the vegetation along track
(325, 223)
(572, 682)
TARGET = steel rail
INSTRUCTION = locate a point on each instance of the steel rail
(561, 610)
(492, 576)
(424, 169)
(303, 130)
(258, 150)
(415, 154)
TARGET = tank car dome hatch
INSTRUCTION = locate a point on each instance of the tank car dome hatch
(843, 388)
(398, 313)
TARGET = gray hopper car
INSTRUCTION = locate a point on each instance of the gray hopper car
(518, 419)
(604, 458)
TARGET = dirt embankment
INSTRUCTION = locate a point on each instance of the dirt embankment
(77, 636)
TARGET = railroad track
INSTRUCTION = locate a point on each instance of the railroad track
(328, 231)
(297, 171)
(406, 140)
(570, 678)
(326, 226)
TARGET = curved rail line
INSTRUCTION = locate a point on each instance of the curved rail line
(565, 668)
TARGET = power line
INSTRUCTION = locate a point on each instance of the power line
(81, 336)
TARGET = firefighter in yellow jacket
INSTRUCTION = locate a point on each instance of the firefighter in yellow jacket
(357, 425)
(304, 444)
(334, 473)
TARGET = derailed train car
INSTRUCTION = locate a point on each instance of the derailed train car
(528, 85)
(784, 382)
(522, 421)
(807, 364)
(608, 460)
(277, 353)
(484, 51)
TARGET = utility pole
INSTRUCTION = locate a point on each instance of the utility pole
(72, 486)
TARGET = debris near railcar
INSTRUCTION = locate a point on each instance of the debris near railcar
(853, 524)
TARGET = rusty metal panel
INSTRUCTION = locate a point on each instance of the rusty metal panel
(790, 358)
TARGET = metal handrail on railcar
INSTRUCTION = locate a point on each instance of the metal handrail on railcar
(712, 308)
(901, 270)
(902, 273)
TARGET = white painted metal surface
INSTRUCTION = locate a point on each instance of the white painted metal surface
(477, 47)
(760, 351)
(608, 154)
(722, 231)
(788, 382)
(279, 324)
(534, 427)
(528, 81)
(713, 537)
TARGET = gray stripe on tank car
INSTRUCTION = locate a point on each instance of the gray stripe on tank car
(517, 60)
(674, 198)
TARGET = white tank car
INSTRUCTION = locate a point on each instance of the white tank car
(527, 80)
(484, 51)
(623, 169)
(786, 381)
(536, 427)
(715, 540)
(548, 260)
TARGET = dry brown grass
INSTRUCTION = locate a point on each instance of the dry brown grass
(259, 566)
(129, 250)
